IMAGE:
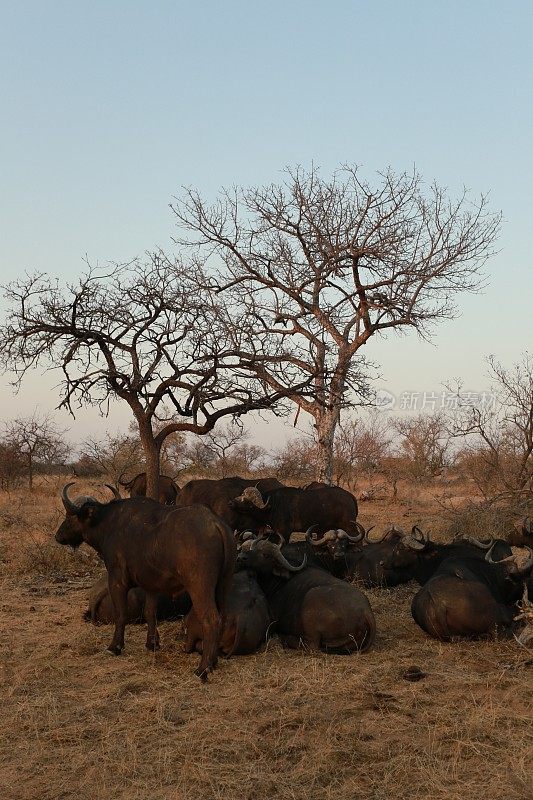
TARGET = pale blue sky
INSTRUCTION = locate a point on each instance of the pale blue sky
(109, 107)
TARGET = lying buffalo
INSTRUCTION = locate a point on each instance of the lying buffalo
(246, 622)
(309, 606)
(335, 551)
(412, 555)
(168, 489)
(163, 550)
(289, 509)
(101, 611)
(219, 494)
(471, 597)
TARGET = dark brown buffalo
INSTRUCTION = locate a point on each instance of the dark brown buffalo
(246, 622)
(404, 556)
(522, 536)
(101, 611)
(288, 509)
(163, 550)
(309, 606)
(316, 485)
(218, 495)
(470, 597)
(168, 489)
(334, 551)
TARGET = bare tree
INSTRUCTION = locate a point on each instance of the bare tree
(425, 442)
(498, 450)
(144, 333)
(360, 447)
(38, 441)
(12, 465)
(317, 267)
(113, 455)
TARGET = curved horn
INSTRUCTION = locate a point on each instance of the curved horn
(413, 543)
(281, 540)
(417, 534)
(360, 536)
(515, 568)
(368, 540)
(67, 502)
(490, 560)
(327, 537)
(477, 543)
(280, 558)
(115, 491)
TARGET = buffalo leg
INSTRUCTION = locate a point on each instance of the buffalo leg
(150, 609)
(119, 596)
(205, 608)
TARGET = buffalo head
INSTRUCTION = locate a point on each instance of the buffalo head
(337, 542)
(79, 515)
(266, 557)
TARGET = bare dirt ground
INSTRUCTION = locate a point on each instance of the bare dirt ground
(78, 723)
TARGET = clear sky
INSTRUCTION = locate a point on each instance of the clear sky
(107, 108)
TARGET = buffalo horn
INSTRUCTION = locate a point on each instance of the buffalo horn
(515, 568)
(477, 543)
(280, 558)
(360, 535)
(67, 502)
(113, 489)
(417, 534)
(328, 537)
(413, 543)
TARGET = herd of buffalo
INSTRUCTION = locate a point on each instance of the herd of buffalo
(220, 551)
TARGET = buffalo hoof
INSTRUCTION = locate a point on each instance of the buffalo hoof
(153, 647)
(202, 674)
(114, 649)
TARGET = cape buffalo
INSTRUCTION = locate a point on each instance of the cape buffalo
(163, 550)
(469, 597)
(289, 509)
(101, 611)
(308, 605)
(336, 551)
(246, 622)
(412, 555)
(168, 489)
(218, 494)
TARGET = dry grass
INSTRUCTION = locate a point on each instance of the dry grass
(78, 723)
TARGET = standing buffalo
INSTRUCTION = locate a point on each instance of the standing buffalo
(471, 597)
(219, 494)
(246, 621)
(308, 605)
(289, 509)
(168, 489)
(101, 611)
(162, 550)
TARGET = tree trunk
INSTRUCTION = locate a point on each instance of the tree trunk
(152, 453)
(326, 425)
(30, 471)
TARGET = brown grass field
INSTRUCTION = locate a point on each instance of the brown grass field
(78, 723)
